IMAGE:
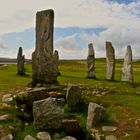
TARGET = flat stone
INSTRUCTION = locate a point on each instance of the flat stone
(43, 136)
(29, 137)
(110, 137)
(4, 117)
(7, 98)
(69, 138)
(8, 137)
(109, 128)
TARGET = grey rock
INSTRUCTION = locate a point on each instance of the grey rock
(4, 117)
(29, 137)
(110, 137)
(73, 95)
(110, 61)
(48, 113)
(127, 71)
(69, 138)
(91, 62)
(8, 137)
(109, 128)
(43, 136)
(95, 114)
(44, 67)
(20, 62)
(7, 98)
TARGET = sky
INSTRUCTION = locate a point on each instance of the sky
(76, 24)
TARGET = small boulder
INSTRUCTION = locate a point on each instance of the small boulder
(109, 128)
(29, 137)
(4, 117)
(43, 136)
(48, 113)
(69, 138)
(73, 95)
(95, 114)
(110, 137)
(7, 98)
(8, 137)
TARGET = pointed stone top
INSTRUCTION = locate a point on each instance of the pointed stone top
(90, 49)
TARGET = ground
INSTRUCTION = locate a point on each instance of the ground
(121, 100)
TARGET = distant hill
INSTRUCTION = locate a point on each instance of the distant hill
(11, 60)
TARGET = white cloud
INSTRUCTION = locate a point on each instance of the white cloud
(18, 15)
(68, 48)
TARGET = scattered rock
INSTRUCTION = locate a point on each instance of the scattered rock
(95, 114)
(110, 137)
(73, 95)
(48, 113)
(4, 117)
(7, 98)
(109, 128)
(5, 105)
(8, 137)
(29, 137)
(43, 136)
(69, 138)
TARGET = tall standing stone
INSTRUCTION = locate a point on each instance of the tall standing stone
(110, 61)
(20, 62)
(91, 62)
(43, 62)
(56, 59)
(127, 71)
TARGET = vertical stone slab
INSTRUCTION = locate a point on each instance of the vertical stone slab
(110, 61)
(43, 64)
(20, 62)
(56, 59)
(127, 70)
(91, 62)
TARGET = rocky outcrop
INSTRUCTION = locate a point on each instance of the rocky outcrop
(127, 71)
(44, 69)
(91, 62)
(110, 61)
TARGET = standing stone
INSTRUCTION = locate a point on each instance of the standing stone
(20, 62)
(127, 71)
(48, 113)
(73, 96)
(95, 114)
(43, 62)
(91, 62)
(56, 59)
(110, 61)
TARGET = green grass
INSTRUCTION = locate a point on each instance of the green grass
(123, 104)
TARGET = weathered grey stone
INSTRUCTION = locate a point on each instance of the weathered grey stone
(44, 69)
(7, 98)
(4, 117)
(109, 128)
(69, 138)
(95, 114)
(73, 95)
(110, 137)
(127, 71)
(29, 137)
(43, 136)
(91, 62)
(110, 61)
(48, 113)
(20, 62)
(56, 59)
(8, 137)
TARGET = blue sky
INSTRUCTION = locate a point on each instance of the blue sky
(77, 23)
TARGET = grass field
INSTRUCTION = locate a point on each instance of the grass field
(122, 104)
